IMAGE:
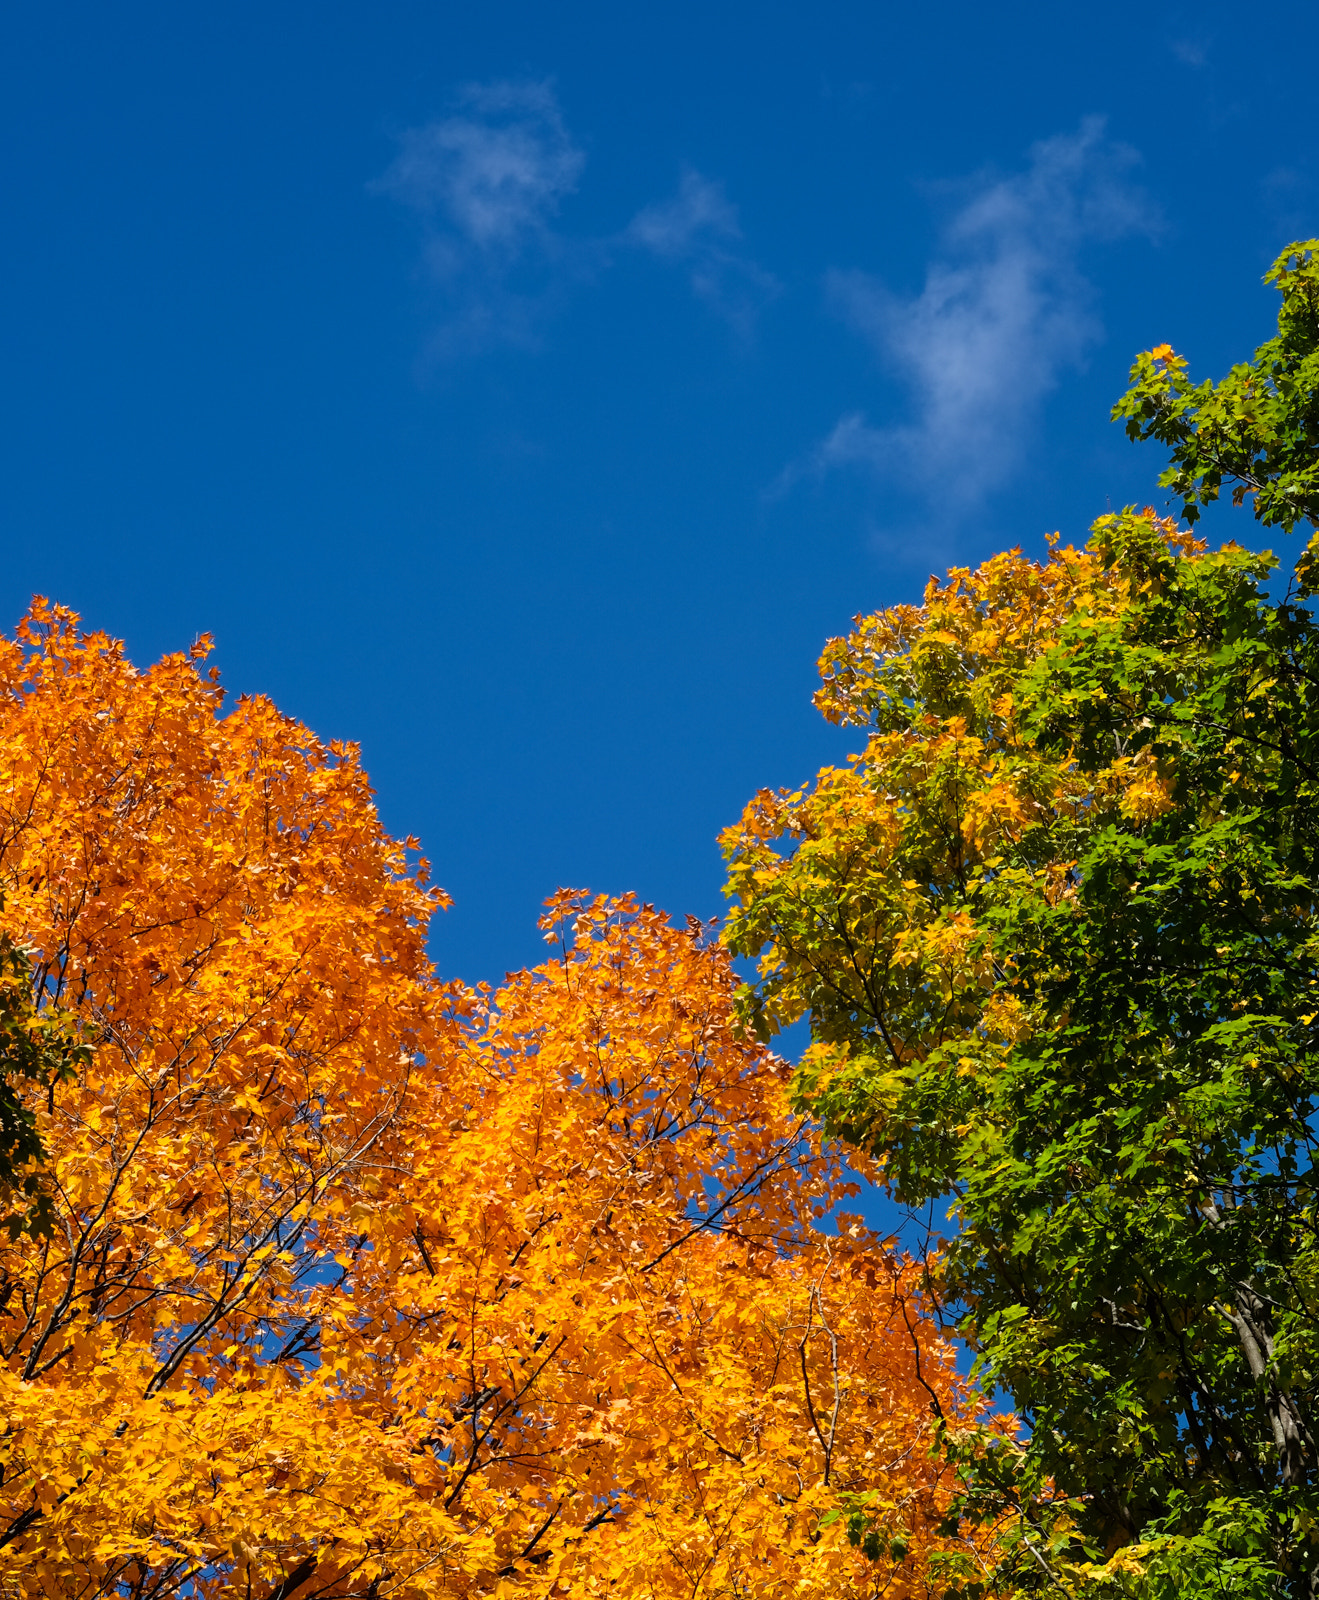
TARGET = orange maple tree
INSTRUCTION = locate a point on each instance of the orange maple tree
(365, 1284)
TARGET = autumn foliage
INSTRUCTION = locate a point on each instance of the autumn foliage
(365, 1284)
(856, 892)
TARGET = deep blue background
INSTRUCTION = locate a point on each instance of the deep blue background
(566, 584)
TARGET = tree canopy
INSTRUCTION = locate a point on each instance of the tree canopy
(363, 1284)
(1055, 930)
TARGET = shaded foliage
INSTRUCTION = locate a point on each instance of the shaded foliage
(39, 1047)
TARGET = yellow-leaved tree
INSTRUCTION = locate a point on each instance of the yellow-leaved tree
(362, 1284)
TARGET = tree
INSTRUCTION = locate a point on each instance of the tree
(361, 1284)
(1055, 929)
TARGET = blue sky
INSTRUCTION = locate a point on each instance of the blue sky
(527, 392)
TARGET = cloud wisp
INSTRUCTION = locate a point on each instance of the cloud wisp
(487, 183)
(699, 230)
(1005, 310)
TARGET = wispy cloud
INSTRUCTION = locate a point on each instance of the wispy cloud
(487, 183)
(1004, 311)
(699, 230)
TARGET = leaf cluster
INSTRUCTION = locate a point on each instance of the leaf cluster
(1257, 429)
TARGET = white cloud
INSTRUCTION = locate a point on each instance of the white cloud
(699, 229)
(1004, 311)
(487, 183)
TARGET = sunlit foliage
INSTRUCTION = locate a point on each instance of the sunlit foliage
(363, 1284)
